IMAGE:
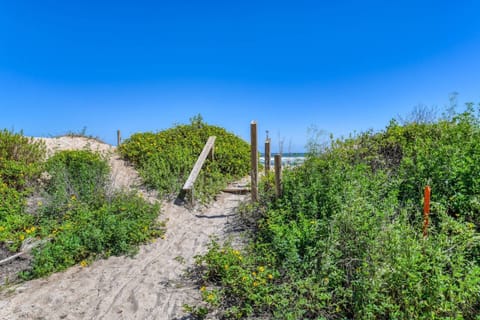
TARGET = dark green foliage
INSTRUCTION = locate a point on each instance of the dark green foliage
(345, 240)
(166, 158)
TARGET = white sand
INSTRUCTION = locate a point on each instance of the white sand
(148, 286)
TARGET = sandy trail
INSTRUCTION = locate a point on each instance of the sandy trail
(150, 285)
(147, 286)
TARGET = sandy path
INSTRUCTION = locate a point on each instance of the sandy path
(147, 286)
(150, 285)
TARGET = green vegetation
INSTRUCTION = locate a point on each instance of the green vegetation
(20, 166)
(345, 240)
(165, 159)
(76, 218)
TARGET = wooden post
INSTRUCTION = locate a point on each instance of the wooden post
(119, 138)
(211, 155)
(254, 160)
(267, 157)
(278, 175)
(426, 209)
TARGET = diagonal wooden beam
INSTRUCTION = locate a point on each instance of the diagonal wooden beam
(207, 149)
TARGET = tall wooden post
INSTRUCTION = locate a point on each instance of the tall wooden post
(119, 138)
(278, 175)
(267, 157)
(254, 159)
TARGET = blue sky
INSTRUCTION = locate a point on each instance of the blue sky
(341, 66)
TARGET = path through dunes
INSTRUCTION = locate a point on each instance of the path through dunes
(148, 286)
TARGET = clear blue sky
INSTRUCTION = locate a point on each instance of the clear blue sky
(342, 66)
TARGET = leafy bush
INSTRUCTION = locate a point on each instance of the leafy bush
(82, 221)
(20, 159)
(85, 233)
(345, 240)
(20, 166)
(74, 212)
(166, 158)
(80, 175)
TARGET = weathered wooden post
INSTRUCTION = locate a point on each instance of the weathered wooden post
(426, 210)
(119, 138)
(211, 155)
(267, 157)
(278, 175)
(254, 160)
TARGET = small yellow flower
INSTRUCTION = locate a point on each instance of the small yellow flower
(254, 274)
(84, 263)
(73, 197)
(270, 276)
(21, 237)
(30, 230)
(255, 283)
(39, 203)
(2, 228)
(226, 267)
(261, 269)
(244, 278)
(210, 297)
(236, 252)
(203, 288)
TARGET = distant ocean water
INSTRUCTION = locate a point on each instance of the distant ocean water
(288, 159)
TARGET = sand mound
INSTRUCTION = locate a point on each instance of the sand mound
(150, 285)
(123, 176)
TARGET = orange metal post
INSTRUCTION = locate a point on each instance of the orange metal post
(426, 209)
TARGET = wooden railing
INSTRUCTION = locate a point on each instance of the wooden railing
(208, 149)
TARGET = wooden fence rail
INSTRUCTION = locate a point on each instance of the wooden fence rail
(208, 149)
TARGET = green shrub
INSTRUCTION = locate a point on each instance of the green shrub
(20, 165)
(345, 240)
(76, 175)
(166, 158)
(85, 233)
(78, 216)
(20, 159)
(82, 220)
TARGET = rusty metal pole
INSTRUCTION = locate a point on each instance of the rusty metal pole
(426, 210)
